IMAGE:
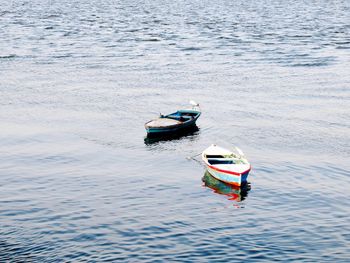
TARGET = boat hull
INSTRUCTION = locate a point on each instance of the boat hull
(156, 137)
(233, 179)
(166, 130)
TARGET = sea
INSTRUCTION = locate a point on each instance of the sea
(79, 180)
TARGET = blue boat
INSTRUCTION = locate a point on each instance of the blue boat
(178, 121)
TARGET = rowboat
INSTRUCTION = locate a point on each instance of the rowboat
(178, 121)
(226, 166)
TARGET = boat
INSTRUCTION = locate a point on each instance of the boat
(226, 166)
(178, 121)
(233, 192)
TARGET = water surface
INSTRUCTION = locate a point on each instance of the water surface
(78, 182)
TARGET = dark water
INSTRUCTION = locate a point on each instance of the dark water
(78, 79)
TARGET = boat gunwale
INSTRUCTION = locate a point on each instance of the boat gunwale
(205, 159)
(194, 119)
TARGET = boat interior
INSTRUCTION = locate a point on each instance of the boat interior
(221, 159)
(181, 116)
(215, 156)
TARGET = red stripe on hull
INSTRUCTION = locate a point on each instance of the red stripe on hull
(228, 172)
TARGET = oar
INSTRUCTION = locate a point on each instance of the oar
(239, 151)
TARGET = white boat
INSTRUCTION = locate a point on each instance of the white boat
(227, 166)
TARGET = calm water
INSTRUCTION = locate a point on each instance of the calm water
(78, 79)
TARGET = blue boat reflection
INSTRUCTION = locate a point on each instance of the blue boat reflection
(235, 193)
(153, 138)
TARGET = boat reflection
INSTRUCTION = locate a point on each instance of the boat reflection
(151, 138)
(235, 193)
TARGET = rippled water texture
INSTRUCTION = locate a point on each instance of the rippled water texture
(78, 79)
